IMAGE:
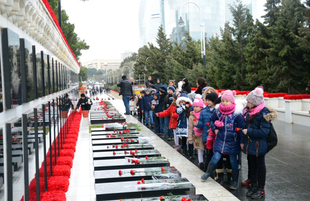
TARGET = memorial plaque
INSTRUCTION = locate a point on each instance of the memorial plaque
(130, 162)
(115, 141)
(122, 148)
(131, 189)
(112, 132)
(170, 197)
(136, 174)
(115, 136)
(122, 154)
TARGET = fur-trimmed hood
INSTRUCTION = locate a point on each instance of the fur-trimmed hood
(272, 115)
(187, 100)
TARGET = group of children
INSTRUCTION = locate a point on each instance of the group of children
(217, 127)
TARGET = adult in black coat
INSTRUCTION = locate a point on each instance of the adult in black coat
(126, 91)
(201, 83)
(65, 104)
(186, 88)
(84, 102)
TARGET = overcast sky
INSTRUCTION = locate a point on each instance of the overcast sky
(110, 27)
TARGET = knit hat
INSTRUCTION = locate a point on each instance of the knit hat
(157, 94)
(171, 88)
(211, 96)
(218, 100)
(183, 97)
(162, 89)
(256, 97)
(198, 102)
(176, 95)
(191, 96)
(148, 89)
(229, 95)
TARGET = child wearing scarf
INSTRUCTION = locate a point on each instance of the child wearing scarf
(195, 134)
(227, 123)
(253, 142)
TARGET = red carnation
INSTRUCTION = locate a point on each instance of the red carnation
(238, 129)
(120, 172)
(125, 152)
(137, 162)
(142, 180)
(147, 158)
(162, 198)
(163, 169)
(122, 139)
(208, 124)
(132, 172)
(131, 140)
(116, 146)
(194, 119)
(113, 152)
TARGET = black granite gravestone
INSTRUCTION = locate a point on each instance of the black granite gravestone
(121, 154)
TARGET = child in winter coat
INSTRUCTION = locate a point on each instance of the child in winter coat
(226, 122)
(195, 134)
(138, 104)
(173, 118)
(146, 107)
(253, 142)
(156, 108)
(204, 123)
(167, 102)
(183, 109)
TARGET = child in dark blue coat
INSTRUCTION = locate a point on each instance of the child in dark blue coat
(253, 142)
(226, 122)
(146, 107)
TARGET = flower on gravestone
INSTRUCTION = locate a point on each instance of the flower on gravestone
(137, 140)
(136, 150)
(142, 181)
(162, 198)
(166, 181)
(127, 140)
(116, 146)
(163, 169)
(120, 172)
(138, 182)
(113, 152)
(125, 152)
(132, 140)
(108, 135)
(132, 172)
(108, 147)
(147, 158)
(113, 145)
(122, 139)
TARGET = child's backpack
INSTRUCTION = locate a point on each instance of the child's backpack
(272, 139)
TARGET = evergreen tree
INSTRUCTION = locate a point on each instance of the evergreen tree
(241, 30)
(271, 9)
(285, 55)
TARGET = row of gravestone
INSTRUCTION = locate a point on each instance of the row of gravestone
(126, 166)
(100, 115)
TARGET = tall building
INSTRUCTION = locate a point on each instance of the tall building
(213, 14)
(103, 64)
(126, 54)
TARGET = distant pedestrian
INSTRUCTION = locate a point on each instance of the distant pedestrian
(126, 91)
(186, 88)
(149, 82)
(201, 83)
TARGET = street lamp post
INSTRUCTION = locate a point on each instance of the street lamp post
(202, 34)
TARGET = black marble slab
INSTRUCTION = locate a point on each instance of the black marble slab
(130, 147)
(132, 132)
(170, 197)
(126, 164)
(114, 141)
(103, 176)
(112, 129)
(121, 154)
(105, 121)
(115, 136)
(153, 188)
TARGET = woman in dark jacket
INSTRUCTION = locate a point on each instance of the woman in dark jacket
(254, 143)
(186, 88)
(201, 83)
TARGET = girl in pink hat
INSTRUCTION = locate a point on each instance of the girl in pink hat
(227, 123)
(195, 134)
